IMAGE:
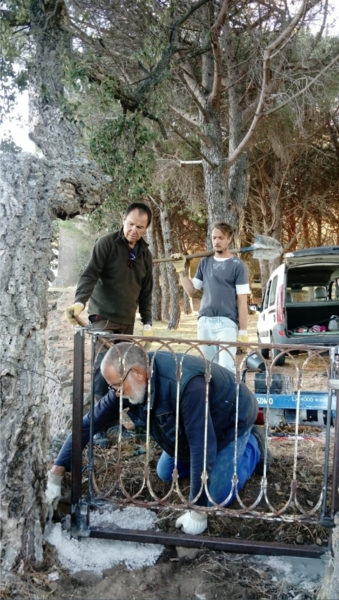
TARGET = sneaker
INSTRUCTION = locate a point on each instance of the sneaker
(259, 434)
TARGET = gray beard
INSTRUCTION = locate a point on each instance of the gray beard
(138, 395)
(133, 400)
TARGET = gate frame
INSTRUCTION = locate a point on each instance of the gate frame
(79, 518)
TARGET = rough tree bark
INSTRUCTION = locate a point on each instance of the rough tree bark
(33, 193)
(156, 294)
(28, 199)
(168, 271)
(24, 275)
(226, 185)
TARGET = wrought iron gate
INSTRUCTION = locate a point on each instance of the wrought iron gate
(290, 399)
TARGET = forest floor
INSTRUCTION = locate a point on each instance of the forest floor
(189, 574)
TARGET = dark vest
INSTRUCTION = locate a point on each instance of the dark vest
(166, 370)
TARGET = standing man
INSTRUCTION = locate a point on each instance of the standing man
(223, 311)
(117, 279)
(231, 413)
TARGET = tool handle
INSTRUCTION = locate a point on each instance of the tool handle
(185, 257)
(79, 320)
(82, 323)
(198, 255)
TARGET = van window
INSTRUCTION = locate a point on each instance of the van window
(267, 293)
(273, 290)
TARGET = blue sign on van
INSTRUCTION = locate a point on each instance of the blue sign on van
(308, 400)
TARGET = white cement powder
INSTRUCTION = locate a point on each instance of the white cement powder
(91, 554)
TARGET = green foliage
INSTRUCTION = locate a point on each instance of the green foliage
(122, 148)
(12, 83)
(108, 217)
(13, 74)
(7, 145)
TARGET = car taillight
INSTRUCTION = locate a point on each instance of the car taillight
(260, 417)
(280, 305)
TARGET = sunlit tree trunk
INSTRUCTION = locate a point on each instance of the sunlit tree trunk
(33, 193)
(24, 275)
(174, 306)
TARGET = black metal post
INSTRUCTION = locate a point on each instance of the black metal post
(78, 394)
(334, 385)
(213, 543)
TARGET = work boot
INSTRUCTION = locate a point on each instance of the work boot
(259, 434)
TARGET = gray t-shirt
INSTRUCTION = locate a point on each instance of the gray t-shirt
(221, 281)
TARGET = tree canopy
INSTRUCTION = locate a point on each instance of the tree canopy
(150, 83)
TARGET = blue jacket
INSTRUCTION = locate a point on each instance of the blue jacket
(166, 369)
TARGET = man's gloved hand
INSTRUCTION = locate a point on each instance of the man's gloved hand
(147, 330)
(242, 338)
(192, 522)
(53, 489)
(74, 311)
(179, 262)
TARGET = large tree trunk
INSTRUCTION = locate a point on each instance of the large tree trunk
(219, 205)
(226, 190)
(24, 275)
(238, 179)
(156, 294)
(33, 192)
(173, 290)
(50, 130)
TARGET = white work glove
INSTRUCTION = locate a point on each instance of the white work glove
(53, 489)
(179, 262)
(74, 311)
(192, 522)
(147, 330)
(242, 337)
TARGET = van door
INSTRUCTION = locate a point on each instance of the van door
(268, 315)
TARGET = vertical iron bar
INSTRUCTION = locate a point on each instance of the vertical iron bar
(325, 518)
(78, 394)
(334, 385)
(335, 494)
(91, 412)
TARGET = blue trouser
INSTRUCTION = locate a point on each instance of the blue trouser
(220, 478)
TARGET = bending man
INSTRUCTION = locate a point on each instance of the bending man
(126, 370)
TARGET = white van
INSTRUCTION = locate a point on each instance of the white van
(301, 301)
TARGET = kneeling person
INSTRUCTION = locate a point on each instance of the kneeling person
(126, 370)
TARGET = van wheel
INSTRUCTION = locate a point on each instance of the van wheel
(264, 352)
(281, 360)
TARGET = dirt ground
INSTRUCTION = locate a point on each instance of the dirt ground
(190, 574)
(208, 576)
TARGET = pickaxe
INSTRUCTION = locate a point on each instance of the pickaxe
(263, 248)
